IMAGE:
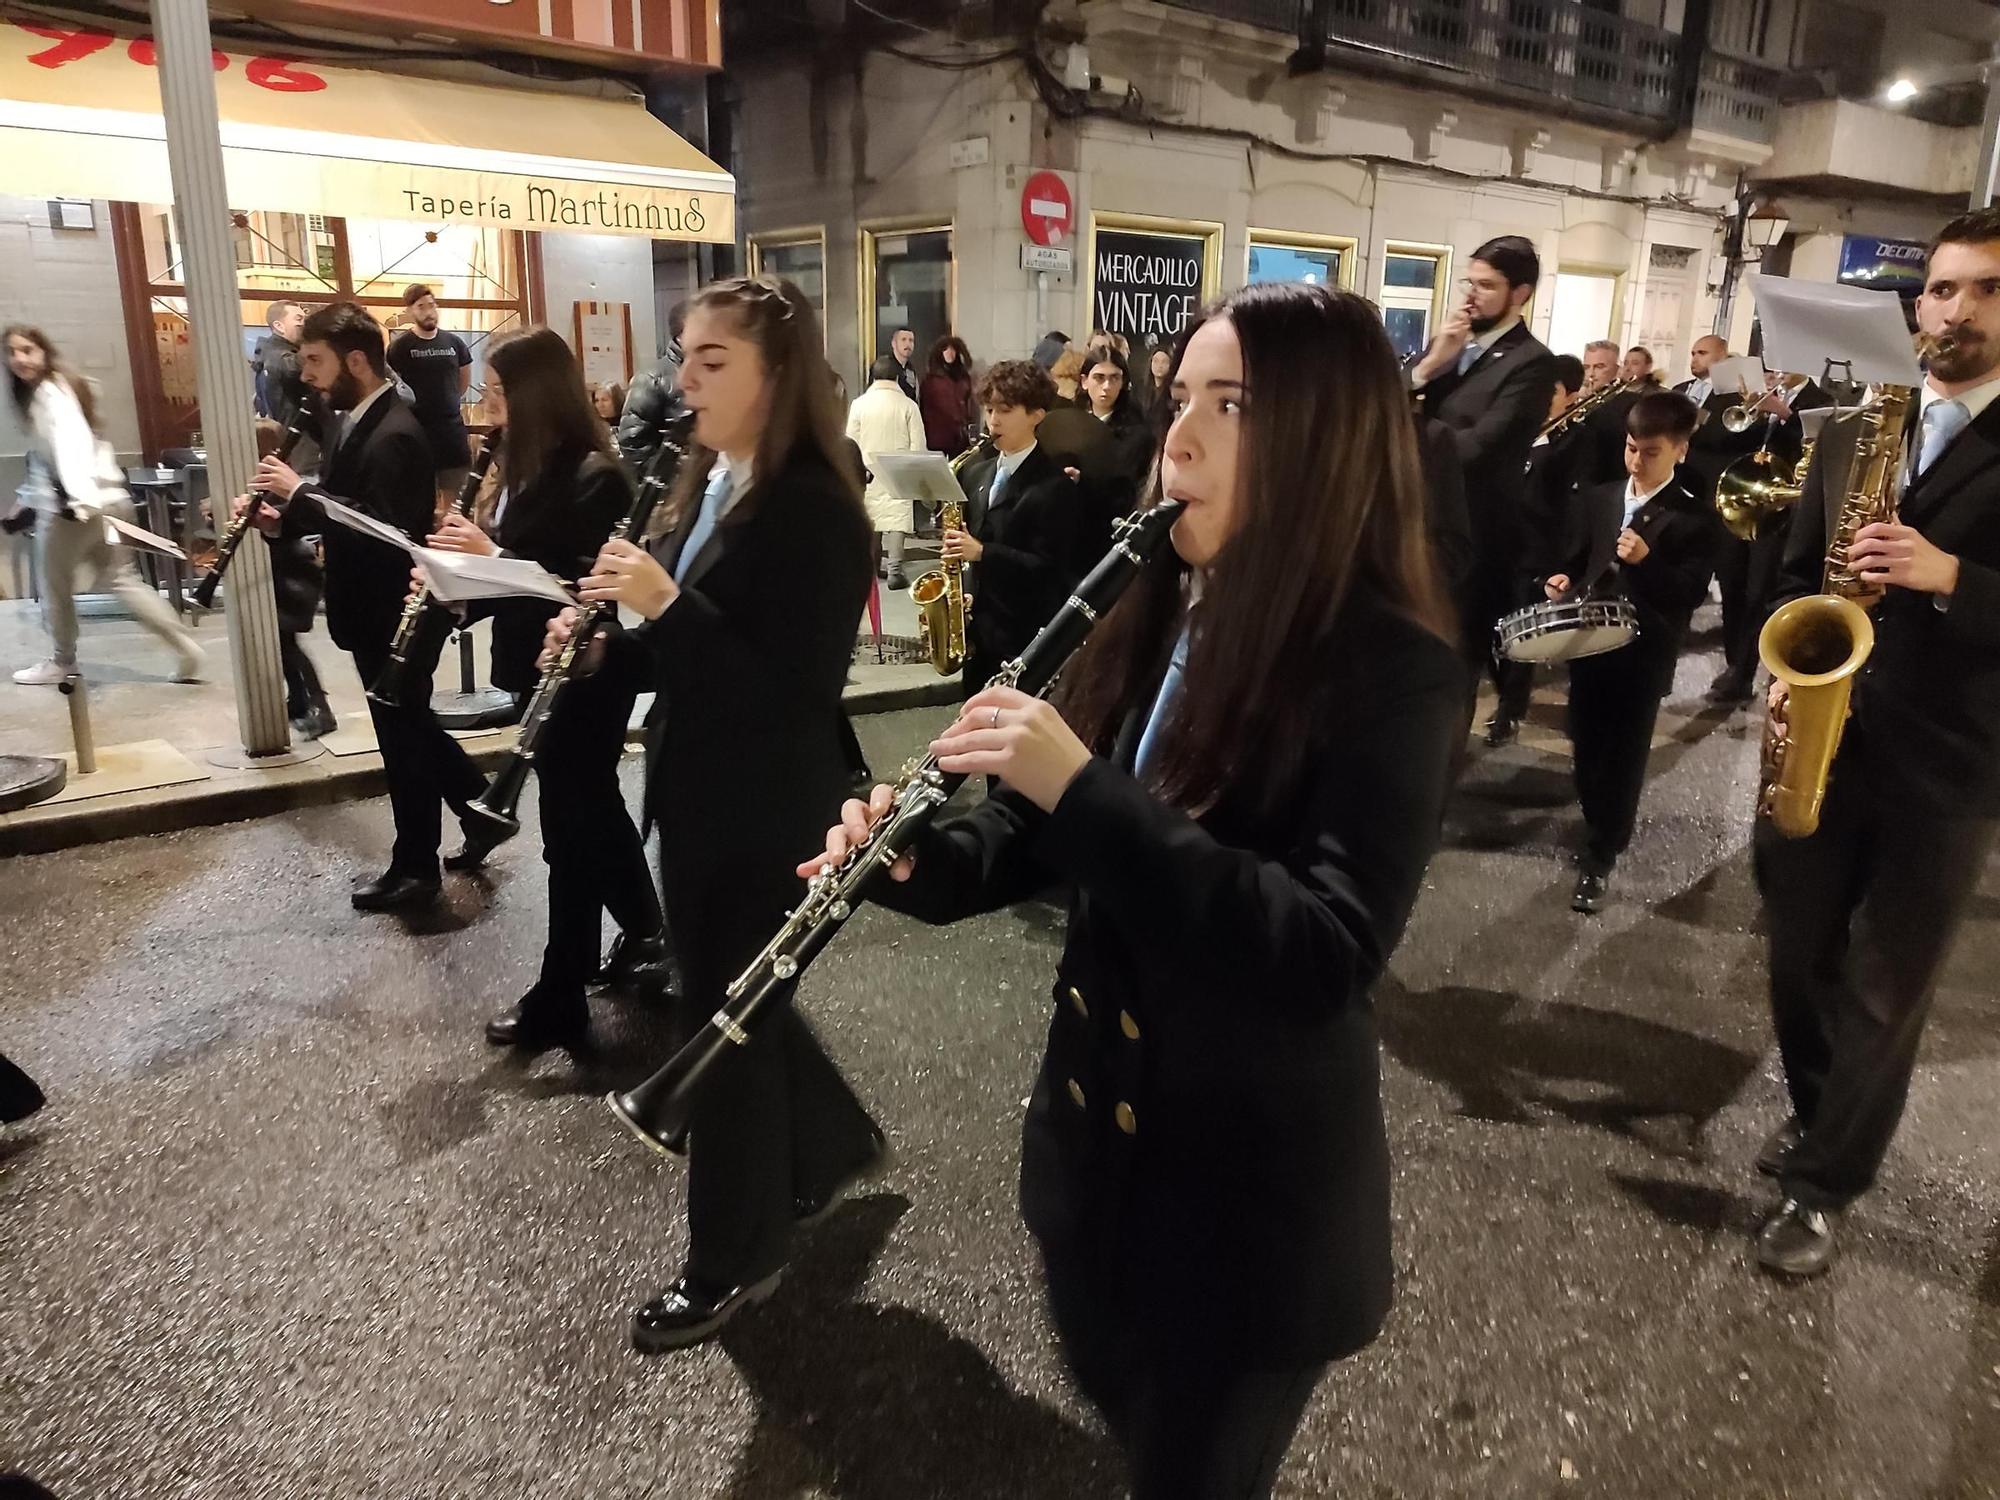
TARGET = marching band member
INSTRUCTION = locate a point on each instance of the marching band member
(1204, 1166)
(553, 495)
(1654, 538)
(1862, 913)
(750, 612)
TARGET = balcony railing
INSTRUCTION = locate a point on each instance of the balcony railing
(1559, 49)
(1737, 98)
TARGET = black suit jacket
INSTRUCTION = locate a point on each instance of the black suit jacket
(1039, 538)
(1669, 583)
(1714, 447)
(560, 520)
(1207, 1122)
(748, 749)
(1550, 521)
(1927, 704)
(1493, 412)
(1447, 517)
(382, 469)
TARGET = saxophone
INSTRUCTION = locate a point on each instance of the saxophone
(940, 595)
(1817, 645)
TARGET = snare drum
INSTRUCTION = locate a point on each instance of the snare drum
(1565, 629)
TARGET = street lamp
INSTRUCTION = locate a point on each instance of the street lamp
(1764, 227)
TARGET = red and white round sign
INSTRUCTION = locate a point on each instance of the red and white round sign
(1047, 213)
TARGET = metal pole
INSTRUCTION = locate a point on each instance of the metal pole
(201, 201)
(1984, 183)
(79, 724)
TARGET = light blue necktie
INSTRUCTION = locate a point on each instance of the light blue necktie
(1468, 357)
(1164, 706)
(1944, 421)
(704, 522)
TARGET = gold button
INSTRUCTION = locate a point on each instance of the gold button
(1127, 1121)
(1076, 999)
(1076, 1093)
(1127, 1025)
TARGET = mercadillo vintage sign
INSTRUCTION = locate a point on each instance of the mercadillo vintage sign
(80, 118)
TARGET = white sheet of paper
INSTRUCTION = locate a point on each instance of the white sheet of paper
(917, 478)
(354, 520)
(138, 536)
(1742, 372)
(1807, 323)
(457, 577)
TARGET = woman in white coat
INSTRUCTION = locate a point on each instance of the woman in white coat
(885, 420)
(73, 486)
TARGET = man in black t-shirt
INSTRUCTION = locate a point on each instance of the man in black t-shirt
(437, 367)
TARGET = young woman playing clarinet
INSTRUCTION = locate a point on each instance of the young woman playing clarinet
(1242, 782)
(751, 600)
(553, 495)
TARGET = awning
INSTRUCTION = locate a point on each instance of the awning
(80, 118)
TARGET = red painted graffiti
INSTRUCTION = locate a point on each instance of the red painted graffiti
(69, 45)
(281, 75)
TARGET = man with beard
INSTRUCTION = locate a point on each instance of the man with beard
(1861, 914)
(1487, 380)
(437, 367)
(377, 462)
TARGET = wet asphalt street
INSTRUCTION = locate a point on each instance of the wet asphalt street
(290, 1229)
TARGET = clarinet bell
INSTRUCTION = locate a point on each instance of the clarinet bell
(495, 809)
(656, 1111)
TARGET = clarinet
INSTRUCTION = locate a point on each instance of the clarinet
(203, 592)
(387, 689)
(658, 1109)
(497, 804)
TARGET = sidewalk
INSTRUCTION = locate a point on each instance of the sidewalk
(158, 741)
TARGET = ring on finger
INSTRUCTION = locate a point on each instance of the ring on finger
(996, 718)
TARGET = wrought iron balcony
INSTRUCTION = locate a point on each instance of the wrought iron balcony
(1738, 98)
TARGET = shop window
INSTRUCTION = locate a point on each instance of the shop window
(1412, 294)
(1582, 308)
(1315, 260)
(799, 258)
(907, 282)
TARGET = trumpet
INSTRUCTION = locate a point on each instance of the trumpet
(387, 689)
(658, 1109)
(1563, 420)
(203, 592)
(497, 806)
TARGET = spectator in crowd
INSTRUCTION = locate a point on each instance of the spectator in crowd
(609, 401)
(73, 484)
(1067, 373)
(653, 400)
(904, 347)
(884, 420)
(1053, 346)
(950, 415)
(1108, 390)
(437, 367)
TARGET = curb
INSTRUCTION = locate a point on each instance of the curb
(235, 796)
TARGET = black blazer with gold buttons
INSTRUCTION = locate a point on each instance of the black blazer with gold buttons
(1207, 1123)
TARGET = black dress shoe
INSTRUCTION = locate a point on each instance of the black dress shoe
(1771, 1157)
(316, 722)
(813, 1205)
(394, 892)
(482, 837)
(1502, 729)
(1731, 688)
(630, 957)
(1796, 1240)
(532, 1023)
(688, 1312)
(1588, 897)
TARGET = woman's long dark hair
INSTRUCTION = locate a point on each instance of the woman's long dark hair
(808, 417)
(550, 416)
(935, 365)
(24, 391)
(1330, 507)
(1126, 408)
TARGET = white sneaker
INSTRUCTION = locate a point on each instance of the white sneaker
(50, 673)
(192, 667)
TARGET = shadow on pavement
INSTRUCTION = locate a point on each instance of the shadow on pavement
(869, 1401)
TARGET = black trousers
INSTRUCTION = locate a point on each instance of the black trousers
(302, 685)
(595, 857)
(776, 1122)
(1748, 575)
(1860, 916)
(427, 768)
(1614, 700)
(1194, 1425)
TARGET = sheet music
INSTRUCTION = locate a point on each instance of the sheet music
(1740, 373)
(459, 577)
(918, 478)
(1808, 323)
(354, 520)
(137, 536)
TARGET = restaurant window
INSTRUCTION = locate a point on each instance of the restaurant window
(1317, 260)
(907, 282)
(1414, 278)
(799, 256)
(481, 277)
